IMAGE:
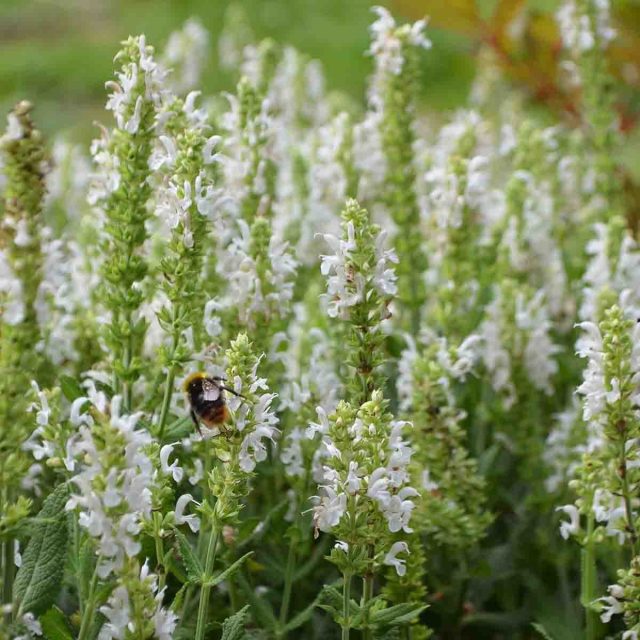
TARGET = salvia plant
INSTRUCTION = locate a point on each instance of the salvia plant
(274, 365)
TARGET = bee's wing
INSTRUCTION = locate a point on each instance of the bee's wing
(210, 391)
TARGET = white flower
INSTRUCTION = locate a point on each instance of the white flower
(400, 454)
(612, 605)
(321, 427)
(164, 155)
(329, 510)
(593, 387)
(14, 128)
(573, 526)
(120, 623)
(291, 454)
(387, 40)
(192, 520)
(353, 481)
(198, 472)
(260, 422)
(77, 416)
(427, 483)
(404, 380)
(397, 510)
(13, 308)
(174, 469)
(385, 276)
(495, 355)
(392, 560)
(186, 52)
(113, 514)
(34, 628)
(579, 33)
(208, 154)
(378, 486)
(22, 237)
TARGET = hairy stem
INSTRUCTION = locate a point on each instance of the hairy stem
(205, 590)
(288, 583)
(87, 616)
(166, 402)
(346, 599)
(588, 591)
(367, 594)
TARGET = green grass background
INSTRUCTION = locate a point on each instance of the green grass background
(59, 53)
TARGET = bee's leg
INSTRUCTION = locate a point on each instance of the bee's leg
(235, 393)
(195, 421)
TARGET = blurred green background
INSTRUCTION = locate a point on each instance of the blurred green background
(58, 53)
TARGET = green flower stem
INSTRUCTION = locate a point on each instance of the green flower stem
(626, 493)
(346, 609)
(160, 560)
(166, 402)
(87, 616)
(367, 594)
(588, 592)
(205, 590)
(76, 552)
(127, 391)
(7, 575)
(288, 584)
(7, 566)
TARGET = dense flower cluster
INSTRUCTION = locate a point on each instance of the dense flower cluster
(114, 492)
(273, 327)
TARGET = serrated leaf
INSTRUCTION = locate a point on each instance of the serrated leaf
(233, 627)
(178, 600)
(229, 571)
(71, 388)
(87, 563)
(192, 564)
(39, 579)
(335, 598)
(54, 625)
(541, 630)
(397, 614)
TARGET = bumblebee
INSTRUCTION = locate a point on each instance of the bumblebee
(206, 400)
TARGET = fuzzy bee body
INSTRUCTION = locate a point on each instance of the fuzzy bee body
(207, 400)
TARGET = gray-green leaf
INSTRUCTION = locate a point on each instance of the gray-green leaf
(39, 579)
(233, 627)
(229, 571)
(398, 614)
(191, 562)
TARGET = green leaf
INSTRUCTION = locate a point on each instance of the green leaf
(179, 428)
(398, 614)
(229, 571)
(192, 564)
(71, 388)
(178, 600)
(39, 579)
(542, 631)
(54, 625)
(233, 627)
